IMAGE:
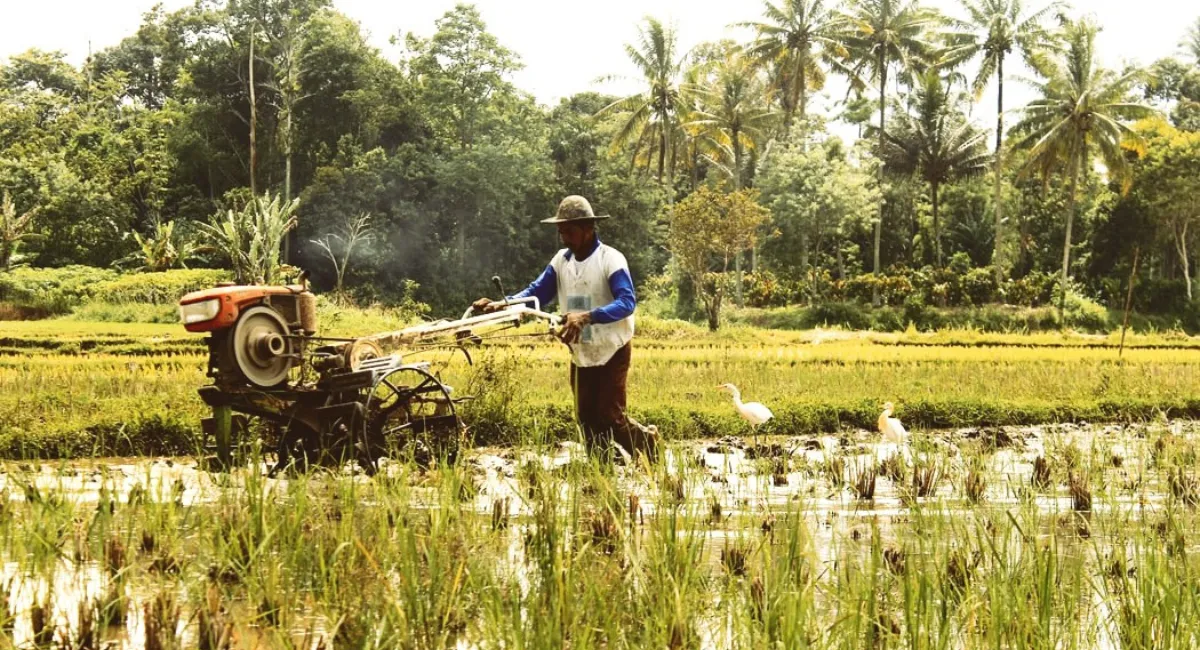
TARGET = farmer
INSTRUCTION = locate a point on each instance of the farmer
(593, 288)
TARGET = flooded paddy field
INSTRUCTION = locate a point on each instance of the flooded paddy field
(1035, 537)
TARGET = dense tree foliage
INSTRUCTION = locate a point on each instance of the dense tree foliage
(140, 158)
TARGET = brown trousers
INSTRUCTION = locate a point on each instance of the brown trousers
(600, 407)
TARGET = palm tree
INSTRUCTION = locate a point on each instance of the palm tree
(800, 39)
(1083, 110)
(700, 143)
(993, 30)
(732, 113)
(883, 34)
(1191, 41)
(652, 118)
(938, 144)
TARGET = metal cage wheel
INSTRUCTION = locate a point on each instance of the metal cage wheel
(411, 411)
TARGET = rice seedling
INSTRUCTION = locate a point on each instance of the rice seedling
(734, 556)
(41, 621)
(960, 567)
(926, 476)
(1184, 487)
(834, 471)
(895, 559)
(673, 488)
(602, 530)
(1069, 457)
(500, 509)
(714, 510)
(114, 555)
(779, 469)
(84, 635)
(975, 482)
(894, 468)
(112, 606)
(161, 618)
(635, 511)
(1080, 489)
(1040, 479)
(862, 480)
(7, 616)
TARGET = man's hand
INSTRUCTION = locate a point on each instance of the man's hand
(484, 305)
(573, 325)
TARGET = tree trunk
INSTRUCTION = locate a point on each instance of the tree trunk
(1181, 247)
(662, 147)
(802, 88)
(875, 299)
(662, 157)
(841, 262)
(1187, 277)
(712, 307)
(287, 172)
(1062, 301)
(804, 271)
(738, 279)
(695, 174)
(462, 244)
(253, 120)
(786, 102)
(937, 230)
(737, 186)
(671, 167)
(714, 314)
(997, 204)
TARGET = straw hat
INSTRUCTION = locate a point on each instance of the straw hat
(574, 208)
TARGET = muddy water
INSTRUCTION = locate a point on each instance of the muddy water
(743, 487)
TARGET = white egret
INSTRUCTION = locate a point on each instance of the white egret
(890, 427)
(753, 412)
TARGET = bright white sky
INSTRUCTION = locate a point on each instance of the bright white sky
(567, 44)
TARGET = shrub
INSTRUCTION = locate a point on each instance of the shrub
(839, 314)
(1035, 289)
(764, 289)
(129, 312)
(161, 288)
(1156, 296)
(888, 319)
(51, 290)
(979, 286)
(1081, 313)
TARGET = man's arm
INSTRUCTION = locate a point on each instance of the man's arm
(545, 288)
(624, 300)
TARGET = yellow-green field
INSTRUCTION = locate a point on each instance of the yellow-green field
(70, 388)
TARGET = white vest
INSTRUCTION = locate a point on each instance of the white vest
(583, 286)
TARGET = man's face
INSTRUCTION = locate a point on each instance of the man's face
(575, 235)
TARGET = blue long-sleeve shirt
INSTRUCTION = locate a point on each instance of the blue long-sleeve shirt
(624, 302)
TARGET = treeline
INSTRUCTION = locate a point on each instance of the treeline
(434, 169)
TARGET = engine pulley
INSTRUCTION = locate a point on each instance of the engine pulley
(260, 347)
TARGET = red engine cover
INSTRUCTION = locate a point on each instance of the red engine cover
(233, 300)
